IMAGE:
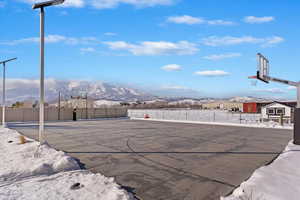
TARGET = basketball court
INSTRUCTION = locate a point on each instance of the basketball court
(161, 160)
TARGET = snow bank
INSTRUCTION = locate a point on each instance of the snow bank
(277, 181)
(58, 186)
(257, 125)
(29, 171)
(22, 161)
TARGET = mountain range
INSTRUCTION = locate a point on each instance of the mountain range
(28, 90)
(24, 89)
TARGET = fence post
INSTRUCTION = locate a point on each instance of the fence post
(240, 118)
(281, 119)
(214, 116)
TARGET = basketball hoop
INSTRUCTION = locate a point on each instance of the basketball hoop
(253, 80)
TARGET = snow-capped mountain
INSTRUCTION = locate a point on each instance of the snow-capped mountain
(20, 90)
(249, 99)
(25, 89)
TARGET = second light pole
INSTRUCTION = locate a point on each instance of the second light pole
(3, 91)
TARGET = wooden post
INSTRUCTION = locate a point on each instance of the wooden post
(58, 117)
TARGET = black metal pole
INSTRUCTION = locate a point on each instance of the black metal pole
(86, 105)
(297, 119)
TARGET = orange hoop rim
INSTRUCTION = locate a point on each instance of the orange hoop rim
(252, 77)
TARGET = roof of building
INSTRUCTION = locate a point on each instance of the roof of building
(275, 102)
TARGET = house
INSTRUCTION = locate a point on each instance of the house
(256, 107)
(277, 111)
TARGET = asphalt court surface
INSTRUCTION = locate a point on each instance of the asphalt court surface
(166, 160)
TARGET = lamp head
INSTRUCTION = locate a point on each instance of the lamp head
(47, 3)
(5, 61)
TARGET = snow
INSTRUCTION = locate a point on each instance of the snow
(93, 186)
(257, 125)
(185, 101)
(104, 102)
(277, 181)
(31, 171)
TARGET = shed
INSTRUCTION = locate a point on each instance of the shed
(250, 107)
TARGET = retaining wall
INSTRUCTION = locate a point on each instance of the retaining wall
(53, 114)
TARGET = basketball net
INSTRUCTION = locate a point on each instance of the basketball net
(253, 80)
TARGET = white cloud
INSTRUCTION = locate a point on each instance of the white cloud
(222, 56)
(87, 50)
(110, 34)
(271, 90)
(104, 4)
(272, 41)
(74, 3)
(52, 39)
(67, 3)
(12, 83)
(171, 67)
(230, 40)
(186, 19)
(174, 87)
(220, 22)
(291, 88)
(107, 4)
(155, 48)
(258, 20)
(212, 73)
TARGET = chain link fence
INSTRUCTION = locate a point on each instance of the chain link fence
(197, 115)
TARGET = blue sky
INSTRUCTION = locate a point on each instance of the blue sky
(194, 47)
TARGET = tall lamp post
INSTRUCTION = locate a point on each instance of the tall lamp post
(41, 6)
(3, 91)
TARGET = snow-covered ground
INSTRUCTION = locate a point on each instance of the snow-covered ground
(31, 171)
(278, 181)
(254, 125)
(213, 117)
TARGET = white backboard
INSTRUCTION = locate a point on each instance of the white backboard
(262, 67)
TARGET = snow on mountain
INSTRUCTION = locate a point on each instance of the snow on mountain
(248, 99)
(20, 90)
(100, 103)
(185, 101)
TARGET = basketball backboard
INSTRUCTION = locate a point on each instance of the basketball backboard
(262, 68)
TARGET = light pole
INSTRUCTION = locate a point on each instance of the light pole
(3, 91)
(41, 6)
